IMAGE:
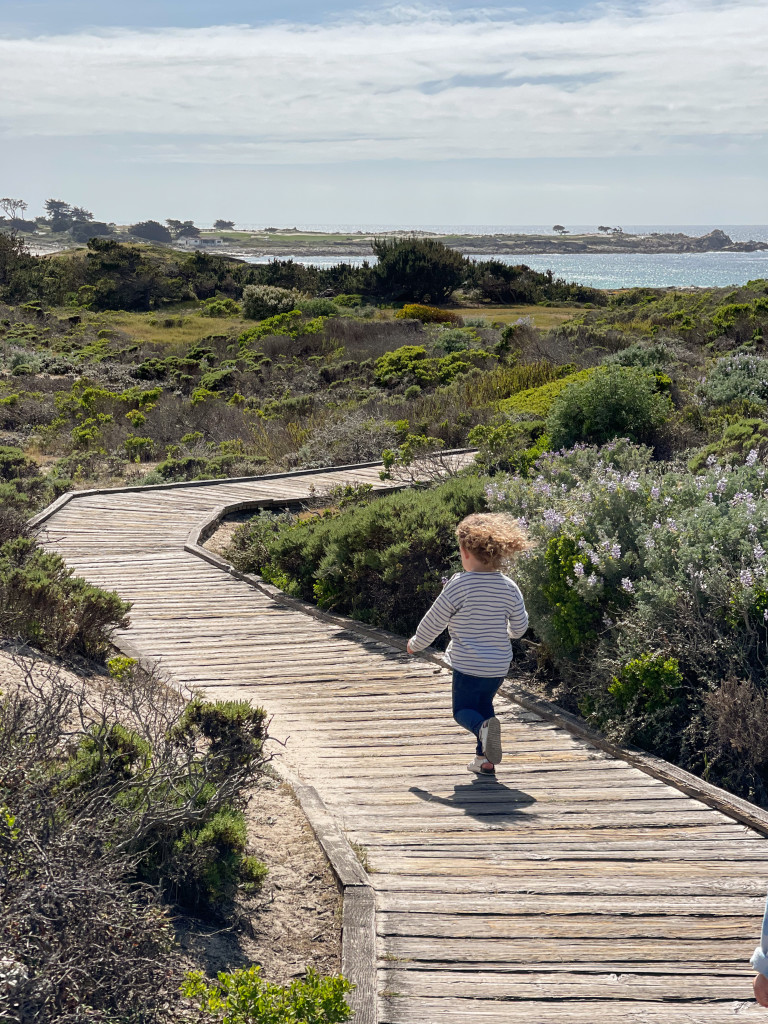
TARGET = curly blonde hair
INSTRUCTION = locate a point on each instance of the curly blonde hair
(494, 538)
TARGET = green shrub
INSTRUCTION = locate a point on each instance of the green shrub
(242, 997)
(14, 464)
(648, 683)
(653, 357)
(219, 307)
(43, 603)
(428, 314)
(139, 449)
(214, 863)
(289, 324)
(511, 446)
(614, 401)
(456, 339)
(318, 307)
(574, 614)
(217, 380)
(725, 318)
(381, 562)
(92, 809)
(409, 364)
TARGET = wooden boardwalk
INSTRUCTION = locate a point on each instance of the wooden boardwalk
(575, 889)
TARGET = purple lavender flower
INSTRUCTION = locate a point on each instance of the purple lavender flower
(578, 569)
(655, 492)
(751, 459)
(746, 578)
(616, 551)
(626, 584)
(552, 518)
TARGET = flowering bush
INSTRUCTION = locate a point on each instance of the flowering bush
(264, 300)
(648, 588)
(737, 378)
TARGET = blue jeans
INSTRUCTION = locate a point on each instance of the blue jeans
(473, 701)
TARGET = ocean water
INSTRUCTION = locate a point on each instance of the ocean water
(622, 270)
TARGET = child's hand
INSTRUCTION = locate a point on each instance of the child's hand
(760, 985)
(409, 648)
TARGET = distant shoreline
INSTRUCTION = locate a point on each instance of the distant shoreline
(342, 246)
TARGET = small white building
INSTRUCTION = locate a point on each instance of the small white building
(190, 242)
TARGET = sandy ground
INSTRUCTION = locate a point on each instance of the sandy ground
(295, 921)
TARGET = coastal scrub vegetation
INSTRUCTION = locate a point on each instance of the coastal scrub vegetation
(131, 364)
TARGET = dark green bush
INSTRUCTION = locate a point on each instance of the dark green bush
(614, 401)
(380, 562)
(43, 603)
(417, 269)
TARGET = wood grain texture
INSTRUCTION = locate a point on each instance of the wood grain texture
(586, 885)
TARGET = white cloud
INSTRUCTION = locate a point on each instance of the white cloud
(679, 74)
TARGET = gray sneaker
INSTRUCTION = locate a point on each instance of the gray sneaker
(490, 737)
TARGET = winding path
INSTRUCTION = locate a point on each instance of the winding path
(575, 889)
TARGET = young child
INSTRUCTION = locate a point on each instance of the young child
(482, 609)
(760, 963)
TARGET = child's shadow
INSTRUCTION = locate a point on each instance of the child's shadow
(483, 798)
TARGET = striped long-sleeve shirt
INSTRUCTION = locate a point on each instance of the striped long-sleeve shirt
(482, 611)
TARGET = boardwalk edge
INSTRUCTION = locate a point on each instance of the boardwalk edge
(358, 922)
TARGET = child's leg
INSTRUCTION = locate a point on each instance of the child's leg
(473, 702)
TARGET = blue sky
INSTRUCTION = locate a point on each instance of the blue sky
(22, 16)
(341, 112)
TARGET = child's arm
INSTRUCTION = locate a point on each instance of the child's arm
(760, 963)
(517, 616)
(434, 622)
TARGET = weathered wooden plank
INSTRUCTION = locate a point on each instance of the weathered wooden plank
(584, 926)
(519, 904)
(564, 949)
(359, 951)
(549, 1010)
(620, 985)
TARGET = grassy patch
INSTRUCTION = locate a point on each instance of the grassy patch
(538, 401)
